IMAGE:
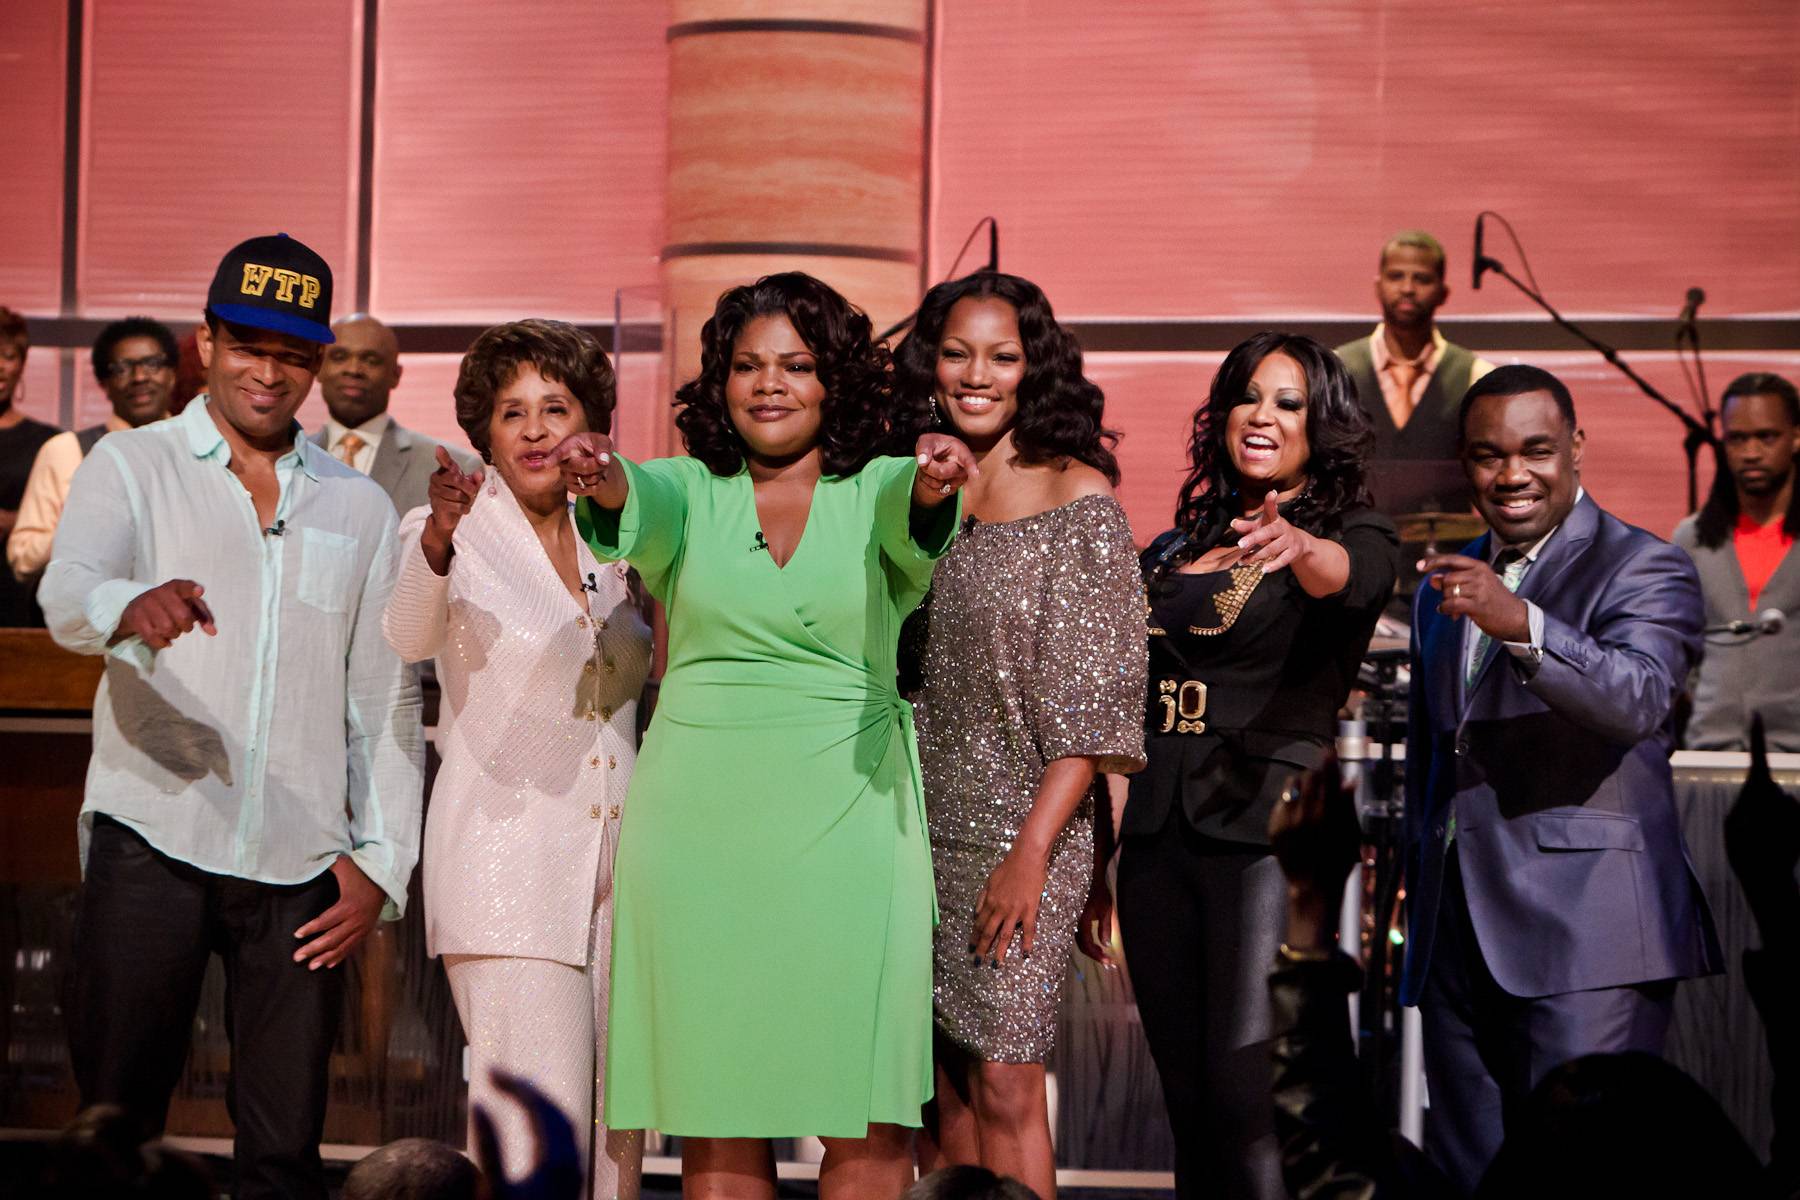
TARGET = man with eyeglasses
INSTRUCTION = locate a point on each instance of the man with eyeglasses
(134, 360)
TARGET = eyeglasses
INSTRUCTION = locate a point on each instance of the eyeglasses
(125, 368)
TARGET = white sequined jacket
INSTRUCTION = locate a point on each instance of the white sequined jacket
(537, 731)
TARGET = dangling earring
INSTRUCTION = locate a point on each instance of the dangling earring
(935, 419)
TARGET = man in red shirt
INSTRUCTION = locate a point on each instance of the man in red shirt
(1742, 542)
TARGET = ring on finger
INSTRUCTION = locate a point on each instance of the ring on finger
(1456, 590)
(944, 489)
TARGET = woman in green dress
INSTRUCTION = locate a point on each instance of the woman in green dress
(772, 951)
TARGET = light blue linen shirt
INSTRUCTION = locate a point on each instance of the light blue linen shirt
(293, 735)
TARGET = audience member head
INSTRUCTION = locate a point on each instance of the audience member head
(1621, 1125)
(1521, 448)
(1282, 416)
(360, 371)
(265, 334)
(1760, 413)
(135, 361)
(1409, 280)
(986, 357)
(413, 1169)
(967, 1183)
(523, 388)
(786, 366)
(104, 1152)
(15, 340)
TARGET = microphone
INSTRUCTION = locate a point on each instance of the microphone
(1481, 263)
(761, 542)
(1767, 623)
(278, 529)
(591, 585)
(1695, 298)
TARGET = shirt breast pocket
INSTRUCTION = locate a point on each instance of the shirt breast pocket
(327, 570)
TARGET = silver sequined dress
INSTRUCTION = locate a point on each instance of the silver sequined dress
(1033, 649)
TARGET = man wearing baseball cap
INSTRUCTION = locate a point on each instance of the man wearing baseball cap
(255, 783)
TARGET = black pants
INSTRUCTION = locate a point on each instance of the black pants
(146, 927)
(1486, 1049)
(1201, 920)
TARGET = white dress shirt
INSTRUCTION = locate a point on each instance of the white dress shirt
(538, 731)
(1525, 653)
(370, 431)
(293, 735)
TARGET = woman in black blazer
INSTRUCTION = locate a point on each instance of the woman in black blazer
(1262, 602)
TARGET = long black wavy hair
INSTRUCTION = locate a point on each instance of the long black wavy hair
(1338, 435)
(1060, 408)
(1719, 514)
(857, 374)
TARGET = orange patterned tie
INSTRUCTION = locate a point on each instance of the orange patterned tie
(1405, 372)
(347, 449)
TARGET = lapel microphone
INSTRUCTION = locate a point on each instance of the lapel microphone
(278, 529)
(591, 585)
(761, 542)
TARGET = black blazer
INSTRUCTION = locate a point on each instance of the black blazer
(1273, 683)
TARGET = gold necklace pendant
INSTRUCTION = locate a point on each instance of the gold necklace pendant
(1230, 602)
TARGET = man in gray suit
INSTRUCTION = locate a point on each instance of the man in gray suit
(360, 372)
(1551, 902)
(1742, 543)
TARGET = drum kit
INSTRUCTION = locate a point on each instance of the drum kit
(1371, 740)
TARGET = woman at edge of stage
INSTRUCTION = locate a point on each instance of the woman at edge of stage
(542, 654)
(1032, 651)
(1262, 599)
(772, 948)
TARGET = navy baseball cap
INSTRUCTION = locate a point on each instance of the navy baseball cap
(276, 283)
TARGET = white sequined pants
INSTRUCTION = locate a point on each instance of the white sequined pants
(546, 1022)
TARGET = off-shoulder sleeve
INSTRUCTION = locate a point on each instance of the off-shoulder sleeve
(1374, 549)
(650, 530)
(911, 547)
(1092, 645)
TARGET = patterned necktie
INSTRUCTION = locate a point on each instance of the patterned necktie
(1404, 372)
(347, 448)
(1512, 563)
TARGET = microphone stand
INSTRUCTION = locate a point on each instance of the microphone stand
(1697, 435)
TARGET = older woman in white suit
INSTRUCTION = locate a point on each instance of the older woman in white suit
(542, 653)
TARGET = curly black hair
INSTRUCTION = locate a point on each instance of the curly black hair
(856, 372)
(1338, 434)
(1060, 409)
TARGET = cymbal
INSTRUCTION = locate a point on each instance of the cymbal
(1440, 526)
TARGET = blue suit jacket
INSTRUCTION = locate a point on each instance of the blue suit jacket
(1566, 830)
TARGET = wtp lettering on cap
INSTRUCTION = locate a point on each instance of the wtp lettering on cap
(256, 283)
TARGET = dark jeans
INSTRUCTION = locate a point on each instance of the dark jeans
(1485, 1049)
(1200, 920)
(146, 927)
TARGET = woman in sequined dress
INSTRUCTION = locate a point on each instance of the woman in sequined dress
(542, 653)
(1262, 602)
(1032, 651)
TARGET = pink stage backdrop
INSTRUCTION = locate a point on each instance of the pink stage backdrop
(519, 158)
(33, 57)
(1243, 157)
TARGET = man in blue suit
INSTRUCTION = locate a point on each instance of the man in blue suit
(1552, 904)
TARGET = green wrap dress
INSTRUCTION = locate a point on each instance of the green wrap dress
(774, 906)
